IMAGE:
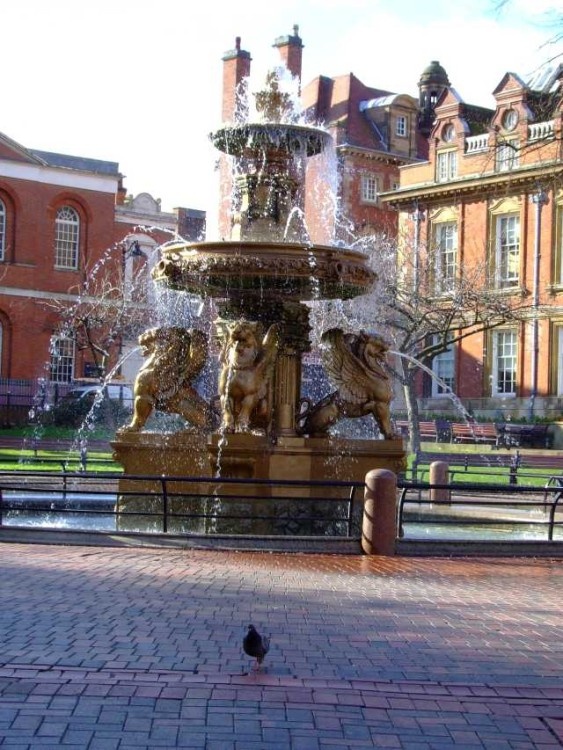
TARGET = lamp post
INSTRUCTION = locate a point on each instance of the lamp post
(540, 200)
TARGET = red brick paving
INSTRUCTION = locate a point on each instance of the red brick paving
(141, 648)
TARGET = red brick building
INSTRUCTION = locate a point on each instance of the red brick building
(60, 216)
(375, 131)
(490, 195)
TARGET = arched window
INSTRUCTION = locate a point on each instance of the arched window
(67, 237)
(2, 229)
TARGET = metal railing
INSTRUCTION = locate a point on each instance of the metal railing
(469, 504)
(163, 504)
(221, 506)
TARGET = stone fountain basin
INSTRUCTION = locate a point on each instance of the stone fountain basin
(236, 140)
(289, 270)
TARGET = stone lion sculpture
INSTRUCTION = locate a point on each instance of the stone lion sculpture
(247, 367)
(175, 357)
(354, 364)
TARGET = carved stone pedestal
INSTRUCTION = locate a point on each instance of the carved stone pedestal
(232, 506)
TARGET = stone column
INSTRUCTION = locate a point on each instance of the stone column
(379, 528)
(439, 474)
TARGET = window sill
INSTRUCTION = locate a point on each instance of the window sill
(508, 291)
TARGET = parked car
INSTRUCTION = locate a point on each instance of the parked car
(112, 391)
(111, 403)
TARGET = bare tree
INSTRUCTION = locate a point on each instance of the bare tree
(423, 313)
(111, 308)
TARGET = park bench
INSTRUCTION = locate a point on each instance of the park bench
(474, 432)
(463, 462)
(521, 466)
(512, 435)
(428, 431)
(550, 464)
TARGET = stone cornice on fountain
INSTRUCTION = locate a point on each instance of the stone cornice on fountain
(298, 271)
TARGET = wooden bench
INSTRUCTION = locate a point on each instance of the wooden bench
(474, 432)
(427, 430)
(464, 462)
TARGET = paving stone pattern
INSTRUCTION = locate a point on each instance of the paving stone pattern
(141, 648)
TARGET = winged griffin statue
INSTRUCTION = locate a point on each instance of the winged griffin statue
(175, 356)
(354, 365)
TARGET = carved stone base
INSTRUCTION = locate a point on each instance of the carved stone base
(248, 456)
(238, 456)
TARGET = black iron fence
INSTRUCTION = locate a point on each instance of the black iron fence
(180, 505)
(480, 507)
(204, 506)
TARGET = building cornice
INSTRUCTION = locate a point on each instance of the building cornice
(67, 178)
(376, 155)
(489, 184)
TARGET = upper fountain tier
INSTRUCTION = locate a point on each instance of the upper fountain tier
(269, 252)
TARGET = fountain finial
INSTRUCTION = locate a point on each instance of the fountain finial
(274, 105)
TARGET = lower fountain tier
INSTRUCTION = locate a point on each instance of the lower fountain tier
(248, 456)
(292, 271)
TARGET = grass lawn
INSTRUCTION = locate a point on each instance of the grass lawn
(51, 432)
(14, 460)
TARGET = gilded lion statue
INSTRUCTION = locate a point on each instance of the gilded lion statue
(354, 364)
(175, 357)
(247, 367)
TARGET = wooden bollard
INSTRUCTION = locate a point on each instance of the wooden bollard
(439, 474)
(379, 526)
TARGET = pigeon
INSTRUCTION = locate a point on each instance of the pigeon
(256, 645)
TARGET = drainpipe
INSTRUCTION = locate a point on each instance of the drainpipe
(418, 216)
(540, 200)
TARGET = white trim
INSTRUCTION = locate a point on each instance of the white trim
(559, 361)
(36, 294)
(495, 363)
(59, 177)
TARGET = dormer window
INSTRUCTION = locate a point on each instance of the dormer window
(401, 126)
(507, 154)
(446, 166)
(510, 119)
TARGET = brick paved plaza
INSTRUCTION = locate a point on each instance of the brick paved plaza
(141, 648)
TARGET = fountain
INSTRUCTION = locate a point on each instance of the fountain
(261, 281)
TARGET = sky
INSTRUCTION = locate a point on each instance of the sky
(138, 82)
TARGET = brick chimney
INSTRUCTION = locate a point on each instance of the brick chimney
(236, 66)
(290, 48)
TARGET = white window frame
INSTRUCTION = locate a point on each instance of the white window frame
(559, 247)
(446, 248)
(507, 250)
(507, 155)
(446, 165)
(67, 238)
(401, 126)
(559, 341)
(2, 229)
(370, 188)
(443, 366)
(504, 362)
(62, 359)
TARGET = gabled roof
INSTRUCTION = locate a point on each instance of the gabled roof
(80, 163)
(507, 78)
(13, 151)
